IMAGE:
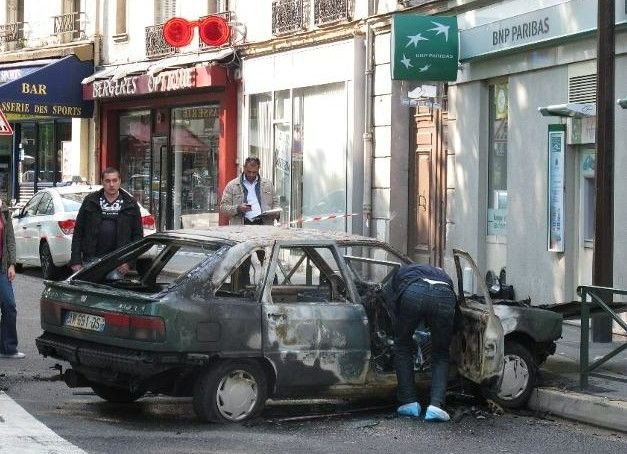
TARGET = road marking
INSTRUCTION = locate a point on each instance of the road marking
(21, 432)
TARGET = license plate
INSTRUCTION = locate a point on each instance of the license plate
(84, 321)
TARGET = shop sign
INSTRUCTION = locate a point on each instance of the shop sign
(194, 113)
(165, 81)
(50, 90)
(555, 188)
(542, 25)
(177, 79)
(424, 47)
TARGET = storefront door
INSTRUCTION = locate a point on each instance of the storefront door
(173, 170)
(160, 183)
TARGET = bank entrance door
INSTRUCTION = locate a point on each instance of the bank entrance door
(427, 183)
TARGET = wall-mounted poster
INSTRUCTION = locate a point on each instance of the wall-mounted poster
(555, 188)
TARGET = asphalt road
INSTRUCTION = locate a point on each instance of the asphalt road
(168, 425)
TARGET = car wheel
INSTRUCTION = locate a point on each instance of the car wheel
(519, 377)
(48, 268)
(115, 394)
(230, 391)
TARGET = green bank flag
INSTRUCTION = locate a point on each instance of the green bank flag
(424, 47)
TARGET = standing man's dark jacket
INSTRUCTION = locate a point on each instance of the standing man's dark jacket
(89, 218)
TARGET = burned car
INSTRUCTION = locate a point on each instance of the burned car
(234, 315)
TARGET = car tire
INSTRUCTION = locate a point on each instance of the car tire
(230, 391)
(115, 394)
(48, 269)
(519, 377)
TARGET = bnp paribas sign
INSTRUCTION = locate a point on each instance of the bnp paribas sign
(424, 47)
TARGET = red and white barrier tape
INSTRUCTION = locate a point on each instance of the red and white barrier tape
(322, 218)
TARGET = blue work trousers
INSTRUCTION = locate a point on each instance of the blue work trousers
(434, 306)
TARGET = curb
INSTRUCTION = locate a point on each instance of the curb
(600, 411)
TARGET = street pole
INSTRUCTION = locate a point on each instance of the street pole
(603, 261)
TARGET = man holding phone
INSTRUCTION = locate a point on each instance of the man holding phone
(247, 197)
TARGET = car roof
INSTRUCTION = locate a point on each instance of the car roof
(241, 234)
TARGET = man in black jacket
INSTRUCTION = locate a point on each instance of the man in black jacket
(107, 220)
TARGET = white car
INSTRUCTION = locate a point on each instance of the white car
(44, 227)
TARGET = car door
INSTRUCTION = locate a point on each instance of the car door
(314, 329)
(45, 215)
(478, 345)
(27, 232)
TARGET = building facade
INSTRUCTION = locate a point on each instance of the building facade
(46, 50)
(306, 85)
(521, 114)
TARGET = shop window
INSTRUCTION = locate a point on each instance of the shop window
(319, 156)
(282, 148)
(260, 130)
(497, 159)
(134, 147)
(194, 140)
(120, 21)
(306, 130)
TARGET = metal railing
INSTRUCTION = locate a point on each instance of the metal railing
(599, 297)
(12, 33)
(289, 16)
(71, 23)
(156, 46)
(332, 11)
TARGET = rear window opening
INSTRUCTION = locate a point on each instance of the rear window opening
(153, 265)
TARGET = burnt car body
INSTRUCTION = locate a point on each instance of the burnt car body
(234, 315)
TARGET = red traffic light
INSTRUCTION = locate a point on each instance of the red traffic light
(214, 31)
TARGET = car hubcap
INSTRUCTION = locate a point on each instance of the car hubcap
(237, 395)
(515, 378)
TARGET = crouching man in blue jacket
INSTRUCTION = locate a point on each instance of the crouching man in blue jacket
(421, 295)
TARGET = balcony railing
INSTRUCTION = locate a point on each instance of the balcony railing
(332, 11)
(72, 24)
(289, 16)
(155, 43)
(12, 33)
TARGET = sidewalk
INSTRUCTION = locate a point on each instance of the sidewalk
(602, 403)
